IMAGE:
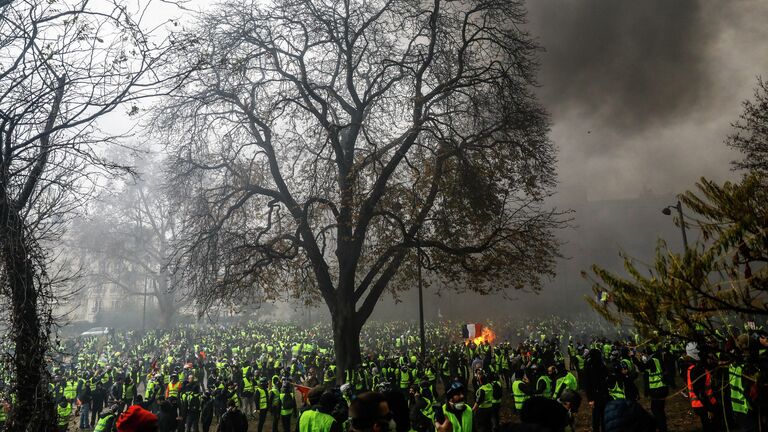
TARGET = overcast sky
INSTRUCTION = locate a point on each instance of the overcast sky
(642, 93)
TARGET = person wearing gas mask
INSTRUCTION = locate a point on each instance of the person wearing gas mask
(455, 415)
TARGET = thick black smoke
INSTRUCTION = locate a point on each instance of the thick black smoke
(630, 63)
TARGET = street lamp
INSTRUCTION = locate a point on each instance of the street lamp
(422, 338)
(668, 211)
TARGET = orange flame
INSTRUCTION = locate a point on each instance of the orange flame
(486, 335)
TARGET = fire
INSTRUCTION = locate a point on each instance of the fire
(487, 335)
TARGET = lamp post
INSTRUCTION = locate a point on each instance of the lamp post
(144, 309)
(668, 211)
(421, 300)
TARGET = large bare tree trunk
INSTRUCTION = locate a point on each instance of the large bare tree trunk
(166, 302)
(346, 339)
(33, 409)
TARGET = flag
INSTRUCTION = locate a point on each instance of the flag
(304, 390)
(471, 331)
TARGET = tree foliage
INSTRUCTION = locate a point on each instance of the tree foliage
(318, 144)
(721, 280)
(751, 137)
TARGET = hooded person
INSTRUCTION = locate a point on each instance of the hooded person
(233, 419)
(546, 413)
(596, 386)
(137, 419)
(398, 406)
(624, 415)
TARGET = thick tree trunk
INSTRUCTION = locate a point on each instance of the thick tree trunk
(167, 314)
(33, 409)
(166, 302)
(346, 341)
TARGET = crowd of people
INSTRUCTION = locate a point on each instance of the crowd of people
(282, 376)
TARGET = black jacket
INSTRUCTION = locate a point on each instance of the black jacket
(233, 421)
(595, 377)
(166, 418)
(85, 395)
(206, 414)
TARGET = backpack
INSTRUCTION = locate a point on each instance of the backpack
(289, 402)
(497, 391)
(193, 403)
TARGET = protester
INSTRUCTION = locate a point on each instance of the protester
(261, 367)
(233, 420)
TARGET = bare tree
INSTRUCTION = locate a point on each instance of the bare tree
(130, 231)
(62, 66)
(320, 144)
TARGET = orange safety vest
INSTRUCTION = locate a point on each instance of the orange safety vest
(695, 402)
(173, 390)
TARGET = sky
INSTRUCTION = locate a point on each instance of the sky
(642, 93)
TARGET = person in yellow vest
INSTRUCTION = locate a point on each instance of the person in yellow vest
(566, 381)
(741, 379)
(63, 413)
(70, 389)
(455, 411)
(151, 390)
(191, 404)
(262, 401)
(287, 406)
(483, 407)
(173, 389)
(129, 392)
(273, 401)
(658, 390)
(318, 418)
(522, 390)
(247, 392)
(107, 419)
